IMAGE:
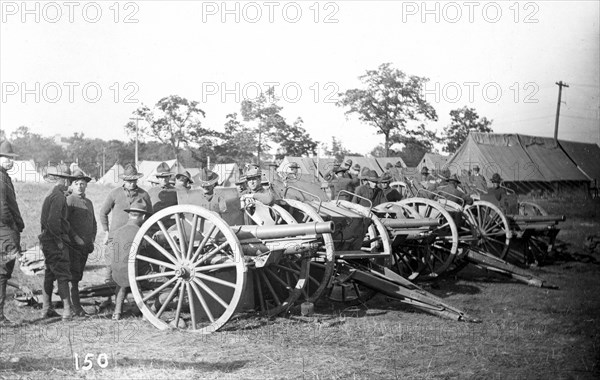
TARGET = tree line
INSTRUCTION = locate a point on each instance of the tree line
(389, 100)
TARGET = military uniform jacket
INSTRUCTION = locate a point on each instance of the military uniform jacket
(162, 197)
(11, 223)
(390, 195)
(82, 220)
(374, 195)
(262, 195)
(116, 202)
(54, 220)
(122, 242)
(479, 182)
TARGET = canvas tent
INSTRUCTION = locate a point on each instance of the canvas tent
(24, 171)
(587, 158)
(528, 162)
(307, 170)
(148, 169)
(228, 174)
(370, 162)
(434, 162)
(112, 176)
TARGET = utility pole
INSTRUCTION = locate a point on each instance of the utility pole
(103, 161)
(560, 84)
(137, 119)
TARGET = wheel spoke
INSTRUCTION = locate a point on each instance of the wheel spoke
(203, 243)
(154, 275)
(270, 287)
(157, 262)
(182, 237)
(258, 282)
(202, 302)
(169, 240)
(159, 289)
(160, 249)
(192, 304)
(277, 278)
(168, 300)
(179, 303)
(188, 255)
(210, 254)
(206, 268)
(211, 293)
(216, 280)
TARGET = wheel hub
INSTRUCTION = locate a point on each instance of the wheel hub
(184, 273)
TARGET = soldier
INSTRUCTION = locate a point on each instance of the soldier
(290, 174)
(369, 191)
(394, 171)
(497, 191)
(241, 184)
(117, 201)
(183, 181)
(254, 189)
(339, 179)
(478, 180)
(123, 239)
(11, 226)
(163, 195)
(451, 192)
(209, 200)
(55, 239)
(83, 222)
(388, 194)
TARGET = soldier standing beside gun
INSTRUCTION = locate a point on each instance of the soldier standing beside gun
(83, 223)
(11, 226)
(254, 189)
(55, 239)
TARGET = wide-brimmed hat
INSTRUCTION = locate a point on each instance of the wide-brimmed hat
(424, 170)
(60, 170)
(80, 174)
(385, 178)
(399, 164)
(370, 175)
(454, 178)
(294, 165)
(207, 177)
(476, 168)
(496, 178)
(364, 171)
(444, 174)
(253, 171)
(185, 174)
(138, 206)
(130, 173)
(348, 163)
(6, 150)
(241, 181)
(163, 170)
(389, 165)
(356, 167)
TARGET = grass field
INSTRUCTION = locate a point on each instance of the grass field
(526, 333)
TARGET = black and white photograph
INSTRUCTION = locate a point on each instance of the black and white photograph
(311, 189)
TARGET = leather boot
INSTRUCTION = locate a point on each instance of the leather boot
(76, 303)
(4, 322)
(47, 309)
(65, 296)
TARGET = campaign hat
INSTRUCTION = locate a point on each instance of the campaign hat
(130, 173)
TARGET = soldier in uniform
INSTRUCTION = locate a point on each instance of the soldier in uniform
(369, 191)
(208, 199)
(498, 192)
(117, 201)
(11, 226)
(478, 180)
(340, 179)
(254, 189)
(123, 239)
(451, 192)
(183, 181)
(388, 194)
(163, 195)
(55, 239)
(83, 222)
(241, 184)
(290, 174)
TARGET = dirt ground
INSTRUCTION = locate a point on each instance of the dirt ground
(526, 332)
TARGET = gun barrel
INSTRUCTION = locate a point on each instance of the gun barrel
(286, 230)
(410, 223)
(538, 218)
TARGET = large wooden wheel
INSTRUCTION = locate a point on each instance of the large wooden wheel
(280, 283)
(191, 276)
(431, 256)
(377, 243)
(322, 265)
(491, 226)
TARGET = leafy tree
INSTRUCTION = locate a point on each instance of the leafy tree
(338, 150)
(390, 101)
(294, 140)
(239, 142)
(463, 121)
(33, 146)
(174, 120)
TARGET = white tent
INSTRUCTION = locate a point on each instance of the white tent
(228, 174)
(24, 171)
(112, 176)
(148, 169)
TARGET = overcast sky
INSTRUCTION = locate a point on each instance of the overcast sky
(502, 58)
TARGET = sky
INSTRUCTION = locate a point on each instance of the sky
(84, 67)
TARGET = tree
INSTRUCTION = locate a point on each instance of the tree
(390, 101)
(338, 150)
(463, 121)
(33, 146)
(239, 142)
(174, 121)
(294, 140)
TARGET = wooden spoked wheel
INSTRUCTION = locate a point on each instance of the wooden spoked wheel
(346, 291)
(491, 226)
(190, 276)
(322, 264)
(538, 244)
(279, 284)
(431, 256)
